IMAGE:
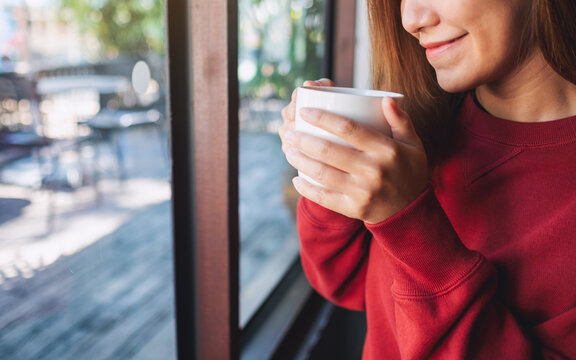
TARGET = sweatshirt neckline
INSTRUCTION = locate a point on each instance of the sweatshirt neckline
(483, 124)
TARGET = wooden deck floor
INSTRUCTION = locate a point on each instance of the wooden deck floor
(111, 297)
(108, 301)
(113, 300)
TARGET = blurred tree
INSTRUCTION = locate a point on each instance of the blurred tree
(121, 26)
(283, 41)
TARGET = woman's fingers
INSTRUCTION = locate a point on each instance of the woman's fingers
(373, 178)
(336, 155)
(319, 171)
(400, 123)
(288, 124)
(357, 135)
(361, 136)
(289, 111)
(320, 82)
(328, 198)
(293, 98)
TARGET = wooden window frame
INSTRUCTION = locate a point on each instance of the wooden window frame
(203, 106)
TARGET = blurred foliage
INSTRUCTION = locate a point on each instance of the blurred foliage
(121, 27)
(282, 43)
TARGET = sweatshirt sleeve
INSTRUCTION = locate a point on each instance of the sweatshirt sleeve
(444, 295)
(334, 253)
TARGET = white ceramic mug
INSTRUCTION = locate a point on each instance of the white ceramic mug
(360, 105)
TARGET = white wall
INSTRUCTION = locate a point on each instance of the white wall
(362, 52)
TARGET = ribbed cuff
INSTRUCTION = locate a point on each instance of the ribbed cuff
(324, 218)
(426, 254)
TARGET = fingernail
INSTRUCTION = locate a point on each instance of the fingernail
(297, 181)
(308, 112)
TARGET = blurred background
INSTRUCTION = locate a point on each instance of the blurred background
(85, 182)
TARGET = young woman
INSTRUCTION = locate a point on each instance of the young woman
(456, 234)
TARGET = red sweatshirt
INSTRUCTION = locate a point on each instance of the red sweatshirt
(481, 266)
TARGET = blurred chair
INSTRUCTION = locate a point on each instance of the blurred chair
(108, 126)
(18, 136)
(21, 136)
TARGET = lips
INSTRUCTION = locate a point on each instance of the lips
(434, 49)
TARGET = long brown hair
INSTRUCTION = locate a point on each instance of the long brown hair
(555, 32)
(399, 63)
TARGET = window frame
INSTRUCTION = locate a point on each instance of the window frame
(203, 106)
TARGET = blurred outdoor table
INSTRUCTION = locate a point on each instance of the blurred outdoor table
(107, 125)
(104, 84)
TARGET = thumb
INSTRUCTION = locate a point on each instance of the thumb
(400, 123)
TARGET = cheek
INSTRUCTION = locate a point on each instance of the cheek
(465, 73)
(500, 41)
(499, 58)
(484, 62)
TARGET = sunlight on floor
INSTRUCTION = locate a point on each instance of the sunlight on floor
(80, 219)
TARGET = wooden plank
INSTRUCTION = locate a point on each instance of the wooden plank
(344, 42)
(56, 283)
(88, 268)
(138, 323)
(164, 339)
(116, 301)
(215, 95)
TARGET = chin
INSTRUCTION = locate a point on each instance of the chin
(454, 83)
(455, 80)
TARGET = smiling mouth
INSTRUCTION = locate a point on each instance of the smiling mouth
(433, 45)
(436, 48)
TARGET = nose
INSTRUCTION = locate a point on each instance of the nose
(418, 15)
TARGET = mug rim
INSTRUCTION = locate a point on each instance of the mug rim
(354, 91)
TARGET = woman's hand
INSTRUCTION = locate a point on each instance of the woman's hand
(376, 178)
(289, 112)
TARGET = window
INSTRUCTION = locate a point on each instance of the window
(111, 147)
(219, 82)
(85, 183)
(281, 44)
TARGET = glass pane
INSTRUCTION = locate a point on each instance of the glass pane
(282, 43)
(85, 200)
